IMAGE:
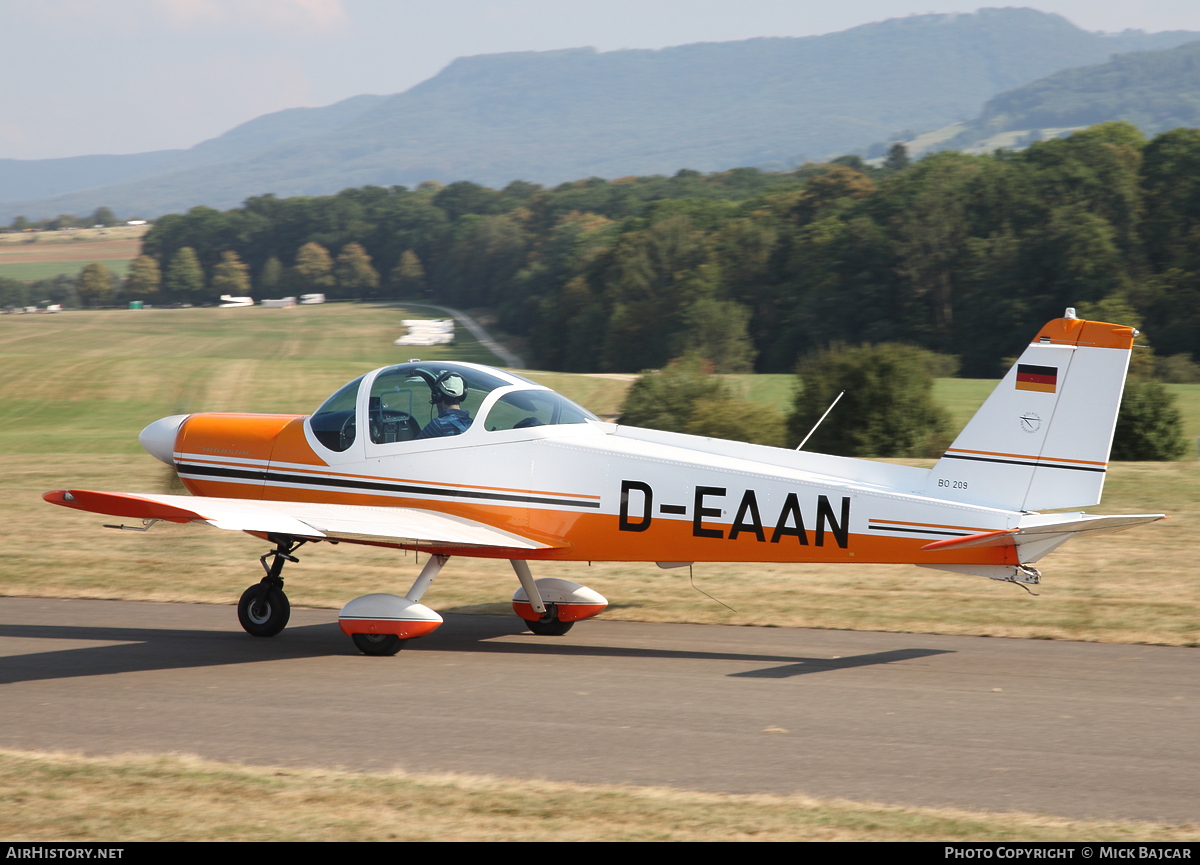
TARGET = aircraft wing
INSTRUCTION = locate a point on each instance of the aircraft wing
(300, 519)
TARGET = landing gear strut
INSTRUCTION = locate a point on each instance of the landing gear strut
(263, 608)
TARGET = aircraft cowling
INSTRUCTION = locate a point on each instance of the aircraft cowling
(387, 614)
(225, 454)
(574, 602)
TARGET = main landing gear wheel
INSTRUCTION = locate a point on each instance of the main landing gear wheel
(549, 625)
(266, 618)
(378, 644)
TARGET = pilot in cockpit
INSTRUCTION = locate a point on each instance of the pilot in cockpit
(448, 391)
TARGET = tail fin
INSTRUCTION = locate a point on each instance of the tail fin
(1042, 438)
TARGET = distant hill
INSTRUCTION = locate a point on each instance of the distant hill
(31, 179)
(554, 116)
(1155, 90)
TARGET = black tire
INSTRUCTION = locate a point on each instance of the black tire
(271, 618)
(552, 628)
(378, 644)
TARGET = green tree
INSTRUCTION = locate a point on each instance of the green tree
(932, 229)
(64, 220)
(897, 158)
(103, 216)
(888, 408)
(314, 269)
(185, 278)
(718, 330)
(354, 273)
(13, 293)
(95, 285)
(654, 277)
(1149, 426)
(686, 397)
(231, 276)
(463, 197)
(1178, 369)
(408, 276)
(836, 183)
(144, 278)
(270, 278)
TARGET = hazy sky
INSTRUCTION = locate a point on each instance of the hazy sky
(124, 76)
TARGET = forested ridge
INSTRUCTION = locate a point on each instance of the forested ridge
(1154, 90)
(962, 255)
(553, 116)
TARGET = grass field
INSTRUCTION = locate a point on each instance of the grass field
(45, 254)
(31, 271)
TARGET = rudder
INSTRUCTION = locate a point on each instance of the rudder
(1042, 439)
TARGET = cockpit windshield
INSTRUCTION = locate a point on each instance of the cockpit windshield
(529, 408)
(402, 405)
(333, 423)
(423, 400)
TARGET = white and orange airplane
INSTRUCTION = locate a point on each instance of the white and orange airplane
(527, 475)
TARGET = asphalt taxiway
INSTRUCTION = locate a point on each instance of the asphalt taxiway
(1073, 729)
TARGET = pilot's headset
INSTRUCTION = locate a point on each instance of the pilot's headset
(449, 388)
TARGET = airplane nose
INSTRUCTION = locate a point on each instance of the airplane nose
(159, 437)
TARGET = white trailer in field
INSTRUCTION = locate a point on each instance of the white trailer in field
(436, 331)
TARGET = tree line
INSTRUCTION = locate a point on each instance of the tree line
(961, 255)
(102, 217)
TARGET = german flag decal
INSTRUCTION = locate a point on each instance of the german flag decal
(1040, 378)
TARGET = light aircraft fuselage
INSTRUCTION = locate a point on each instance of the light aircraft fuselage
(513, 470)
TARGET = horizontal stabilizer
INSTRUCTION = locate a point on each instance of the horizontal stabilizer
(1052, 527)
(300, 519)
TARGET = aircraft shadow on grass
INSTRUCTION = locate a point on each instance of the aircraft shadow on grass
(148, 649)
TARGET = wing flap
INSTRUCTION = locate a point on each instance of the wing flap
(299, 519)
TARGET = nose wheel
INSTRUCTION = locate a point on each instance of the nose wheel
(263, 609)
(266, 617)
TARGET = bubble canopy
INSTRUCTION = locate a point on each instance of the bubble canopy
(400, 405)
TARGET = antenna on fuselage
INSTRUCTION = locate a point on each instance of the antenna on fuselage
(692, 580)
(818, 423)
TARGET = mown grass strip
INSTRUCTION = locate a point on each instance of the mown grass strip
(28, 271)
(67, 797)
